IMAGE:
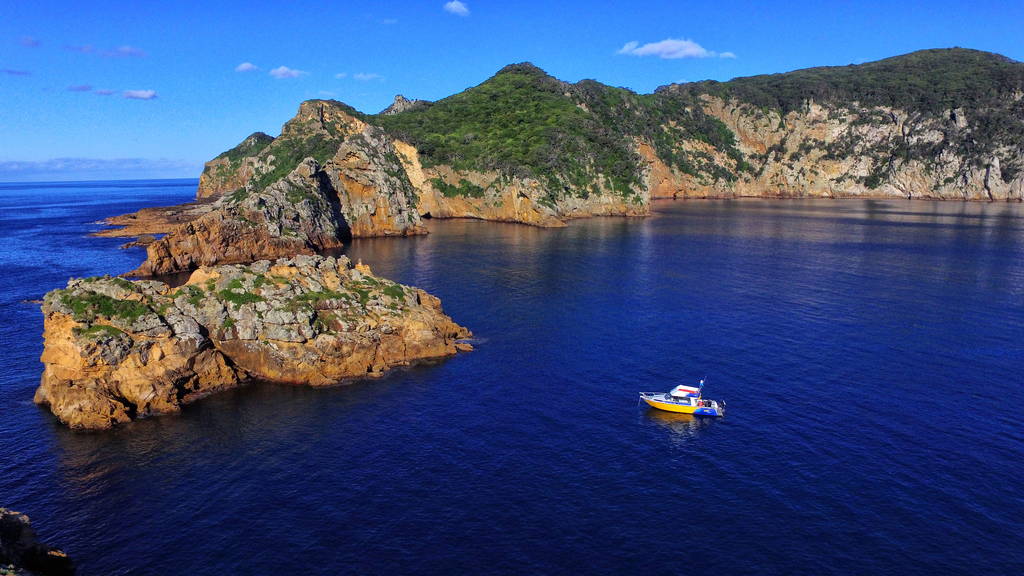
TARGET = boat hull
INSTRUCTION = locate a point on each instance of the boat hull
(670, 407)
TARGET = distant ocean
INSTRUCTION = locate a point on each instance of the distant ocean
(870, 353)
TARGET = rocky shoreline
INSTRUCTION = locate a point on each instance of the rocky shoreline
(117, 350)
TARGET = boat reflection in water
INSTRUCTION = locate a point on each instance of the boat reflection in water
(682, 426)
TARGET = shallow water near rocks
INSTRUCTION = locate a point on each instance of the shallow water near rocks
(869, 352)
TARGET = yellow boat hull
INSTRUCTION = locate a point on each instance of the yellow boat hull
(669, 407)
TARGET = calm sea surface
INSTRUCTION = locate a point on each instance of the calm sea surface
(871, 354)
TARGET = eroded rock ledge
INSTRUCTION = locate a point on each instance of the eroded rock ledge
(116, 350)
(21, 552)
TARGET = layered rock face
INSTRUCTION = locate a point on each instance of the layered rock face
(848, 150)
(21, 548)
(447, 193)
(117, 350)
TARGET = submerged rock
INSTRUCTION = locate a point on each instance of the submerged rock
(21, 552)
(116, 350)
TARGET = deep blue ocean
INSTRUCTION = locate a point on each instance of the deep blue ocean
(870, 352)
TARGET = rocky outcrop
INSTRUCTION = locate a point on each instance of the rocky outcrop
(299, 214)
(21, 552)
(403, 104)
(117, 350)
(375, 194)
(232, 169)
(328, 177)
(154, 221)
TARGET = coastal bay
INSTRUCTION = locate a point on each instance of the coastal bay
(862, 316)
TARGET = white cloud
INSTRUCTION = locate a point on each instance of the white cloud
(341, 75)
(672, 48)
(11, 72)
(389, 21)
(140, 94)
(80, 88)
(457, 8)
(246, 67)
(103, 92)
(286, 72)
(367, 76)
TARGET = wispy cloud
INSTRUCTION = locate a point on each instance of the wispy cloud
(341, 75)
(389, 21)
(29, 41)
(80, 88)
(457, 8)
(124, 52)
(119, 52)
(10, 72)
(96, 169)
(140, 94)
(367, 76)
(103, 92)
(672, 48)
(246, 67)
(286, 72)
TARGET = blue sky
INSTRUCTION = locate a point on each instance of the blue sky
(136, 90)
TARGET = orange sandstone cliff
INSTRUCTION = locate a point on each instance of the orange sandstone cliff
(117, 350)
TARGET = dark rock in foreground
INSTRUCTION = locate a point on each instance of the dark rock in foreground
(21, 552)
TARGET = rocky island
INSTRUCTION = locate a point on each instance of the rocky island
(116, 350)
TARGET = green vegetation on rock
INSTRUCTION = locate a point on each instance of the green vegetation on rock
(289, 152)
(924, 81)
(87, 306)
(521, 123)
(465, 188)
(251, 146)
(572, 137)
(235, 293)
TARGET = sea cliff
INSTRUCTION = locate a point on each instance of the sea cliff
(116, 350)
(526, 147)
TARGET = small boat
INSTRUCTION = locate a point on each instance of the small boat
(684, 399)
